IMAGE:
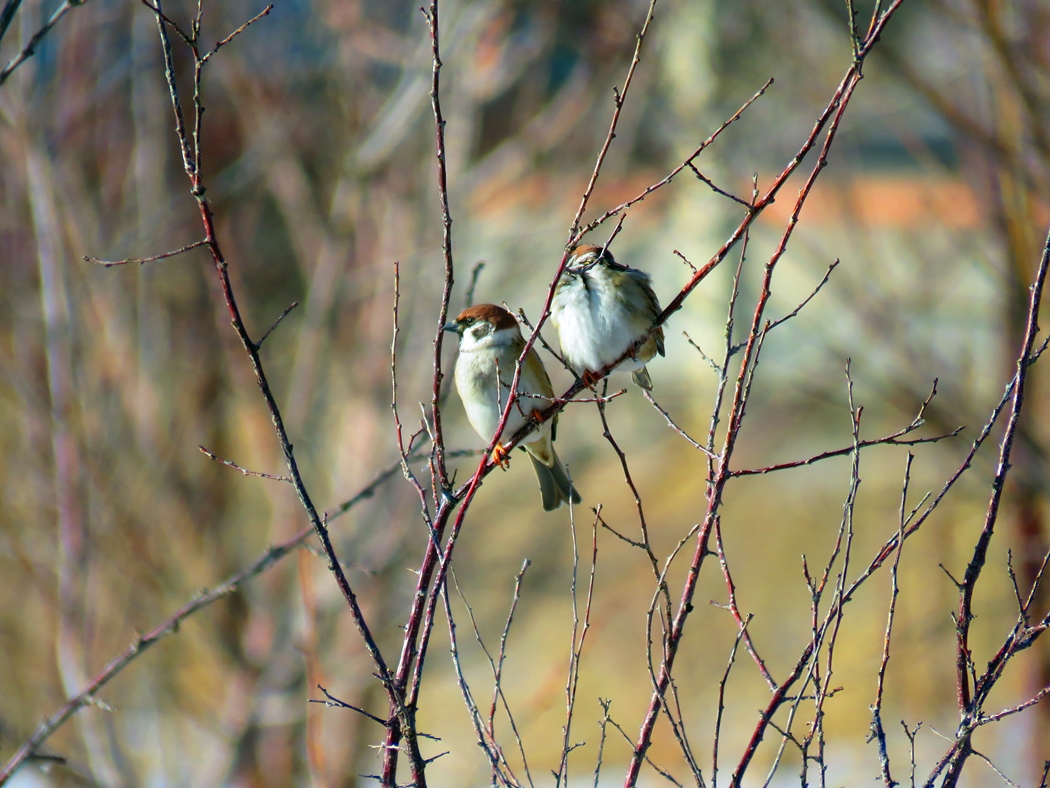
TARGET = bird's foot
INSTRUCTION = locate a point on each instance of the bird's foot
(501, 456)
(590, 378)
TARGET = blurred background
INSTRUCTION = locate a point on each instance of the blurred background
(318, 159)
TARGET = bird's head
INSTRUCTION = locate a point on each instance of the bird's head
(586, 256)
(482, 322)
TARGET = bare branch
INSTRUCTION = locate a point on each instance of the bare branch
(619, 96)
(276, 323)
(688, 162)
(219, 44)
(244, 471)
(34, 41)
(144, 260)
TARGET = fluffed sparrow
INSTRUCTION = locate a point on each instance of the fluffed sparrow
(600, 309)
(490, 343)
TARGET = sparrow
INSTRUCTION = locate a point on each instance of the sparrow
(490, 343)
(601, 308)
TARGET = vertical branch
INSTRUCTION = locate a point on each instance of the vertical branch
(968, 711)
(431, 16)
(603, 726)
(734, 609)
(421, 615)
(722, 682)
(878, 733)
(827, 634)
(722, 470)
(497, 674)
(399, 434)
(188, 156)
(619, 96)
(723, 368)
(252, 350)
(191, 155)
(579, 635)
(501, 771)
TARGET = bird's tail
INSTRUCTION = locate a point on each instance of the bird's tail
(555, 487)
(642, 379)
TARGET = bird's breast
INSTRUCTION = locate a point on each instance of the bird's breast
(484, 399)
(594, 326)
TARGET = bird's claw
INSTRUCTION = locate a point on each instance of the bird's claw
(500, 456)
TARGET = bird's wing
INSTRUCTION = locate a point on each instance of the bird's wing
(652, 304)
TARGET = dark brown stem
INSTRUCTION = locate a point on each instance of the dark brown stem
(413, 650)
(191, 155)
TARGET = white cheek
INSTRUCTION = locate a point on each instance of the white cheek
(472, 337)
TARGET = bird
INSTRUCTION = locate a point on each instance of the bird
(601, 308)
(490, 343)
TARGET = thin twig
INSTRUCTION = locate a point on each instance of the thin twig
(276, 323)
(501, 771)
(794, 312)
(497, 670)
(475, 272)
(670, 423)
(619, 96)
(721, 700)
(741, 621)
(34, 41)
(894, 439)
(144, 260)
(244, 471)
(878, 733)
(237, 32)
(603, 725)
(687, 162)
(580, 628)
(703, 178)
(334, 702)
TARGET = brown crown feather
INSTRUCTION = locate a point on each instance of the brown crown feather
(497, 315)
(585, 249)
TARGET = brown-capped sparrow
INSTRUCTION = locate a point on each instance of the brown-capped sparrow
(490, 343)
(601, 308)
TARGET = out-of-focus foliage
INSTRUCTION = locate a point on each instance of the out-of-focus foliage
(318, 154)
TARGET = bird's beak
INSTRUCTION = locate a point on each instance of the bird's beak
(454, 327)
(582, 267)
